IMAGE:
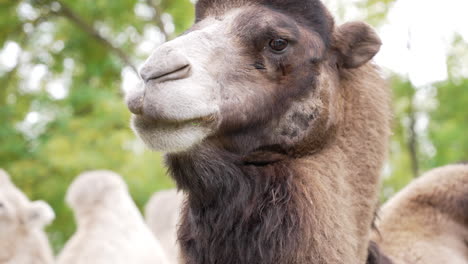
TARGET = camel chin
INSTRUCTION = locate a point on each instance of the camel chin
(171, 136)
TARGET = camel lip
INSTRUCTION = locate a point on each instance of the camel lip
(163, 122)
(179, 73)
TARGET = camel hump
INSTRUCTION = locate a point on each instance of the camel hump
(446, 189)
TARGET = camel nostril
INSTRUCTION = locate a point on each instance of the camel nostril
(165, 64)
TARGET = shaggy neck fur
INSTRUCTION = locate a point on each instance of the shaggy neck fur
(315, 208)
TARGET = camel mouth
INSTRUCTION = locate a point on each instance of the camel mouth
(206, 120)
(179, 73)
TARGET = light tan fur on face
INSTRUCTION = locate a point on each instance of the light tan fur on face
(183, 101)
(427, 222)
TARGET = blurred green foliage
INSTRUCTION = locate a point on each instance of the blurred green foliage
(88, 128)
(46, 139)
(443, 116)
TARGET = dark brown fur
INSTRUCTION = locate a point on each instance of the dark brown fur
(260, 218)
(287, 78)
(311, 13)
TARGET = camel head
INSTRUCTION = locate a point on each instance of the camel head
(249, 75)
(95, 189)
(18, 213)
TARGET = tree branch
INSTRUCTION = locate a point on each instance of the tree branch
(68, 13)
(413, 144)
(412, 135)
(4, 92)
(157, 18)
(11, 74)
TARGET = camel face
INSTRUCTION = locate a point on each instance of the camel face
(17, 212)
(179, 105)
(242, 70)
(247, 76)
(11, 201)
(7, 214)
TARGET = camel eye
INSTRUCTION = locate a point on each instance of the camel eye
(278, 45)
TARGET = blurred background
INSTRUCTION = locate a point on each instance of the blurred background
(65, 64)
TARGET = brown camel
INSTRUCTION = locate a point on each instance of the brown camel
(275, 126)
(427, 222)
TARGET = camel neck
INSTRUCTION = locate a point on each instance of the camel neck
(237, 213)
(313, 209)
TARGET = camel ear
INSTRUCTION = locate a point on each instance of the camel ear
(357, 44)
(39, 214)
